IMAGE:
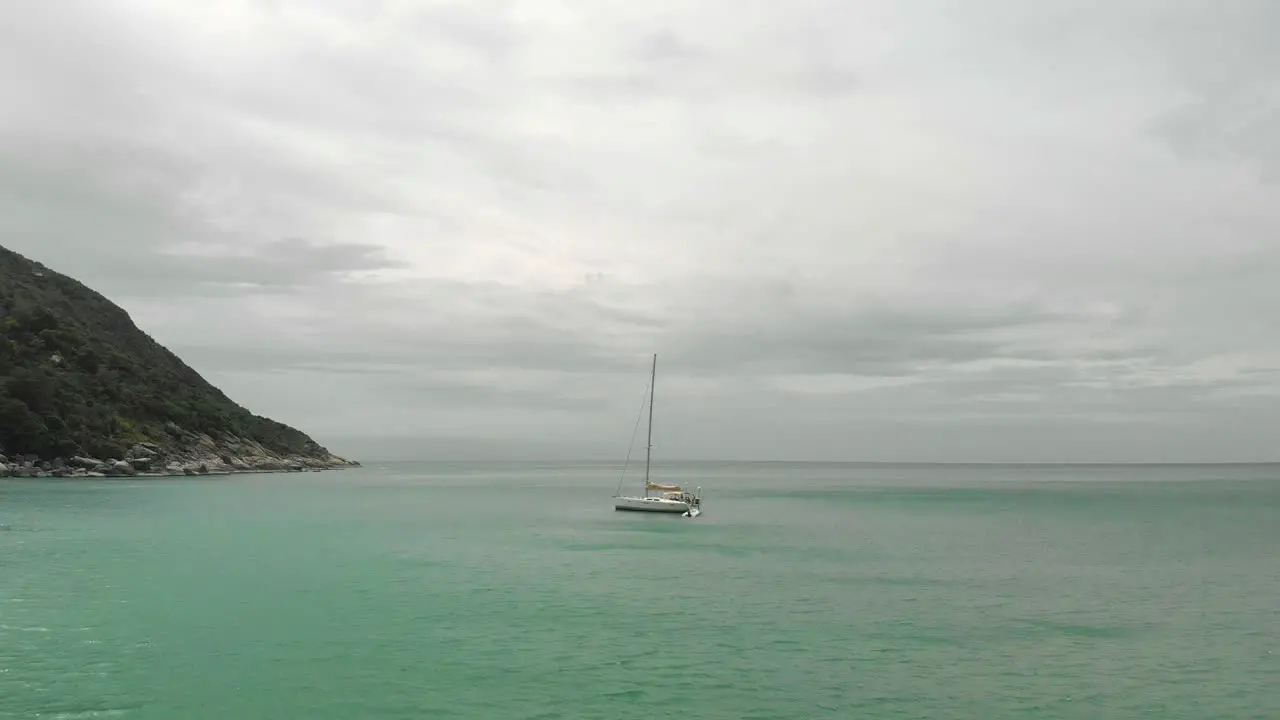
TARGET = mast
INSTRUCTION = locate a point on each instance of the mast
(648, 450)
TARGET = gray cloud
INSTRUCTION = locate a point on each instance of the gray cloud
(1230, 70)
(131, 222)
(885, 231)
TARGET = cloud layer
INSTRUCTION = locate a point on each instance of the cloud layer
(942, 231)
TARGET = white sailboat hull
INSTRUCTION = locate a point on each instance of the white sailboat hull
(650, 504)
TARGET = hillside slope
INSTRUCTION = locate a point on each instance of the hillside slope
(84, 391)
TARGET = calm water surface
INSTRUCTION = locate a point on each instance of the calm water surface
(514, 591)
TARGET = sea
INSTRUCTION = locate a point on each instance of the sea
(514, 591)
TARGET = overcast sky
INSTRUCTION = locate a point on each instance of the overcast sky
(973, 230)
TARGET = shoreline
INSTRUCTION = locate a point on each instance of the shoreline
(10, 472)
(90, 475)
(202, 457)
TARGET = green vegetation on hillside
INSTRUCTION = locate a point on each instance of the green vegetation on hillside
(77, 377)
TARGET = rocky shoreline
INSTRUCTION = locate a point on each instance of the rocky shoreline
(202, 456)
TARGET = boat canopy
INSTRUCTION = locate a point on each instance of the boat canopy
(660, 486)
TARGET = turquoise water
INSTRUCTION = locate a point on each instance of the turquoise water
(514, 591)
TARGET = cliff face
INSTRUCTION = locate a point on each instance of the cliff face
(84, 391)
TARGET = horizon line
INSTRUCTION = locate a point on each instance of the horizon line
(973, 463)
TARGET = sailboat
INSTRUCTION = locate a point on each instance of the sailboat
(669, 498)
